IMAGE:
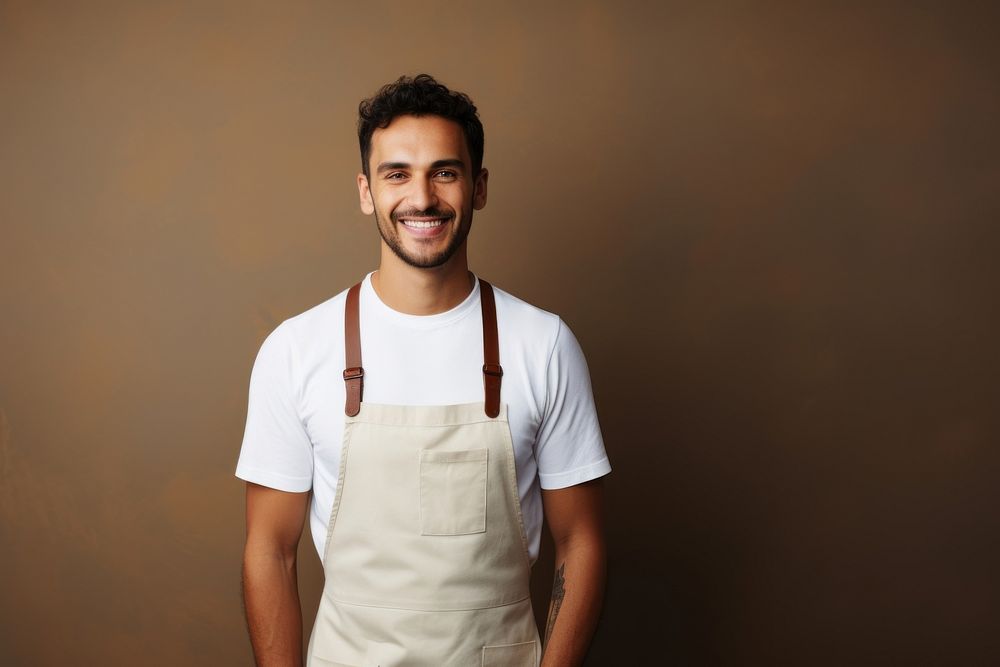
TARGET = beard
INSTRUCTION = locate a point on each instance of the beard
(391, 237)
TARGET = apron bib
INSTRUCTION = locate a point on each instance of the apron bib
(426, 557)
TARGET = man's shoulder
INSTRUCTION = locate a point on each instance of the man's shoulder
(322, 312)
(318, 324)
(525, 320)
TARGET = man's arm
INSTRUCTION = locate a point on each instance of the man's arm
(270, 582)
(575, 518)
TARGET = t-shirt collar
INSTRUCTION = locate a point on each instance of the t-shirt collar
(371, 302)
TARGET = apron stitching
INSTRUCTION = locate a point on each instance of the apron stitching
(457, 610)
(340, 490)
(512, 471)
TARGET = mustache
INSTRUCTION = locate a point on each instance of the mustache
(416, 213)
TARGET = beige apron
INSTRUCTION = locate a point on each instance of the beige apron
(426, 556)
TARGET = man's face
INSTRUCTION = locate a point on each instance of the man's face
(422, 190)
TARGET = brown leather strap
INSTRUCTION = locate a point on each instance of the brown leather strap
(354, 374)
(492, 372)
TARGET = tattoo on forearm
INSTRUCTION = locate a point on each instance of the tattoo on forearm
(558, 593)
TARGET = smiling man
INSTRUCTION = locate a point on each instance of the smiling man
(436, 420)
(436, 216)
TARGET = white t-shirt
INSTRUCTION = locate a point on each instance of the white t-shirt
(295, 417)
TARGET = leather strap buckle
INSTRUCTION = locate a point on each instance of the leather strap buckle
(354, 373)
(493, 369)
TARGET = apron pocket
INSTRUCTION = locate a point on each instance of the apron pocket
(510, 655)
(452, 492)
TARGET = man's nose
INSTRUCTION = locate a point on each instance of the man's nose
(422, 195)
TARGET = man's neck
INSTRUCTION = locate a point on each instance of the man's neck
(414, 291)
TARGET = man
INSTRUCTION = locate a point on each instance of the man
(435, 419)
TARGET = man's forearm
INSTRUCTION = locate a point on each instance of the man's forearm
(274, 615)
(577, 595)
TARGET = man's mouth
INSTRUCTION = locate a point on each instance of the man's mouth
(425, 225)
(415, 223)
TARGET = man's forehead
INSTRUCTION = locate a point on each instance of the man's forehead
(421, 135)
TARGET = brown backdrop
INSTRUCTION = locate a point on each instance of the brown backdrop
(773, 229)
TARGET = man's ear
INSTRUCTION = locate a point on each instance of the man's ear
(365, 195)
(479, 193)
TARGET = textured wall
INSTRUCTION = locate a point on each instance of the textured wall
(773, 228)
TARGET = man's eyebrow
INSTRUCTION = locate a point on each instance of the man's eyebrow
(450, 162)
(387, 166)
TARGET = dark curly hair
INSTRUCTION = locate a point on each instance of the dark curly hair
(421, 95)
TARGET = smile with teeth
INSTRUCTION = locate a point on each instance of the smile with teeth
(422, 224)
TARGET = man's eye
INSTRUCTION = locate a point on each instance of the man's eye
(396, 175)
(444, 173)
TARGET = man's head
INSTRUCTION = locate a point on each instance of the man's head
(422, 151)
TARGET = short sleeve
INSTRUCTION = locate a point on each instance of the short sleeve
(569, 448)
(276, 450)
